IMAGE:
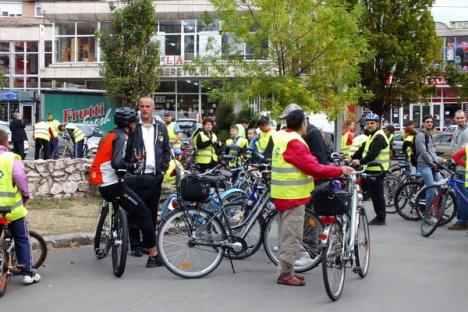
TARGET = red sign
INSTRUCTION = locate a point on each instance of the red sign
(70, 115)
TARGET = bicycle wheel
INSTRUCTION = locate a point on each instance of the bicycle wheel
(120, 242)
(362, 244)
(405, 199)
(310, 254)
(39, 249)
(4, 262)
(333, 267)
(102, 232)
(180, 238)
(450, 205)
(391, 183)
(253, 239)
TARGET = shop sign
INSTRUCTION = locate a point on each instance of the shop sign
(180, 71)
(173, 60)
(96, 112)
(9, 96)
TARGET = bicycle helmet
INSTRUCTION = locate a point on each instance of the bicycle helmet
(124, 116)
(372, 117)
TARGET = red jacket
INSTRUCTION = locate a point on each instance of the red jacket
(458, 157)
(298, 154)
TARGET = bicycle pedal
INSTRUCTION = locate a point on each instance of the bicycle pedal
(100, 253)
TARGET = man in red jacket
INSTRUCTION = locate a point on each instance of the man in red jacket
(291, 185)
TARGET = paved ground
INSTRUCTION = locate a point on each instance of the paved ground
(407, 273)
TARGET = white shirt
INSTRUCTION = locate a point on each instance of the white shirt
(148, 139)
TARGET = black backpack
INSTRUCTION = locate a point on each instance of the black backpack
(414, 154)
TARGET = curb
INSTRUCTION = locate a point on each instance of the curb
(69, 240)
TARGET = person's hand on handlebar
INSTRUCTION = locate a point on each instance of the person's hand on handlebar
(347, 170)
(355, 163)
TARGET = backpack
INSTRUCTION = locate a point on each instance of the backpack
(414, 152)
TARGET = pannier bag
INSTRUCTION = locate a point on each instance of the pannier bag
(193, 188)
(329, 200)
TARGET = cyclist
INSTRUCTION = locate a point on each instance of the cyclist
(234, 143)
(206, 144)
(14, 193)
(109, 160)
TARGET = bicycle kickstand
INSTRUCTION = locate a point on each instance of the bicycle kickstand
(230, 259)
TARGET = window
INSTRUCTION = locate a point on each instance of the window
(37, 9)
(11, 9)
(74, 42)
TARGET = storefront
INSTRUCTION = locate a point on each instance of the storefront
(24, 102)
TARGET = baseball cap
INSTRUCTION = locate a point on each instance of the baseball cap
(290, 108)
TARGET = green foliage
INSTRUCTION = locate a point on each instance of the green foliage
(458, 80)
(402, 34)
(313, 50)
(131, 58)
(225, 118)
(2, 79)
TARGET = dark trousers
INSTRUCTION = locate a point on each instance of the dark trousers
(206, 167)
(43, 145)
(376, 188)
(20, 233)
(18, 148)
(148, 188)
(53, 146)
(135, 207)
(79, 149)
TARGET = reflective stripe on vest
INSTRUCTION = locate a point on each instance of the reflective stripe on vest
(54, 124)
(10, 196)
(384, 155)
(409, 150)
(206, 155)
(231, 144)
(287, 181)
(78, 135)
(41, 131)
(345, 149)
(262, 142)
(172, 135)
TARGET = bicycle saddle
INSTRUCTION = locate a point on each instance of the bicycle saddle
(213, 179)
(403, 164)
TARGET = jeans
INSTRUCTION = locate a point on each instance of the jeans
(53, 146)
(429, 178)
(20, 233)
(79, 149)
(462, 212)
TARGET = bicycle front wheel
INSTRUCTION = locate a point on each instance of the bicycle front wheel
(39, 249)
(120, 242)
(188, 245)
(333, 266)
(310, 253)
(450, 204)
(362, 245)
(4, 262)
(405, 199)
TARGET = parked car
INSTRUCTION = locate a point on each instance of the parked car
(442, 141)
(397, 143)
(5, 125)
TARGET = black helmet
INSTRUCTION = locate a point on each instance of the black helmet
(124, 116)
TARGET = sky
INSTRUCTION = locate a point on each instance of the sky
(450, 10)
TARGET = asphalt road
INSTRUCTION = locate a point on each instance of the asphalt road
(407, 273)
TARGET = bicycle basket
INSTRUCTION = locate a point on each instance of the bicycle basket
(194, 189)
(328, 202)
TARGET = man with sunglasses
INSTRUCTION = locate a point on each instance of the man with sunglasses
(376, 148)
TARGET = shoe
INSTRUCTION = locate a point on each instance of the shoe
(154, 261)
(458, 226)
(304, 260)
(301, 277)
(137, 252)
(290, 280)
(377, 221)
(28, 280)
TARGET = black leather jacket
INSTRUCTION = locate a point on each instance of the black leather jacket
(119, 147)
(162, 149)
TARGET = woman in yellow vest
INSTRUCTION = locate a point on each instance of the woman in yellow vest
(14, 198)
(206, 144)
(291, 186)
(235, 143)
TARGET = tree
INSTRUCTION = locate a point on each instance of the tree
(131, 57)
(2, 79)
(312, 48)
(402, 34)
(458, 80)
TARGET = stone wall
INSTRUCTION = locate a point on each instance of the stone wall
(62, 178)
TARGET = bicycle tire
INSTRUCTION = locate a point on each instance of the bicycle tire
(254, 242)
(98, 235)
(362, 258)
(405, 199)
(120, 243)
(4, 262)
(333, 259)
(450, 210)
(312, 228)
(179, 225)
(39, 249)
(390, 182)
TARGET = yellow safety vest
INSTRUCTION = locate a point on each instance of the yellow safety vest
(345, 148)
(78, 135)
(10, 196)
(263, 138)
(409, 150)
(54, 124)
(466, 166)
(384, 155)
(241, 130)
(287, 181)
(357, 143)
(41, 131)
(241, 143)
(205, 155)
(168, 177)
(172, 135)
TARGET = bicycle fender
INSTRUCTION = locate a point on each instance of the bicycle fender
(230, 191)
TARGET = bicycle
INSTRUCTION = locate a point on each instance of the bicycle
(345, 240)
(8, 261)
(443, 207)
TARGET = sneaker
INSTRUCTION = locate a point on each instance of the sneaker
(28, 280)
(137, 252)
(154, 261)
(304, 260)
(377, 221)
(458, 226)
